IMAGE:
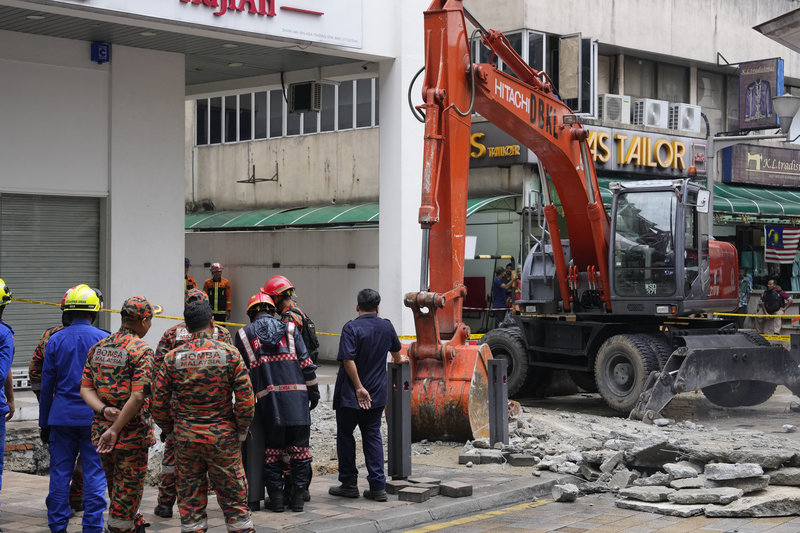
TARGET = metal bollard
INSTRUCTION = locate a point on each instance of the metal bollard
(498, 401)
(398, 421)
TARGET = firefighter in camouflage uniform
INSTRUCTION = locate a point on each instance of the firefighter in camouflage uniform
(116, 384)
(201, 376)
(285, 382)
(173, 338)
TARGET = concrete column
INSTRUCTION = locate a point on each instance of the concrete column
(401, 144)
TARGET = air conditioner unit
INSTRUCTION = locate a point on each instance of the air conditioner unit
(649, 112)
(306, 96)
(684, 117)
(614, 107)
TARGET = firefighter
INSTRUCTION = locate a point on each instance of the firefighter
(218, 290)
(284, 379)
(116, 384)
(281, 290)
(65, 419)
(188, 281)
(6, 357)
(202, 375)
(172, 338)
(35, 380)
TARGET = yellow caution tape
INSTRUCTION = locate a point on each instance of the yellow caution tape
(756, 315)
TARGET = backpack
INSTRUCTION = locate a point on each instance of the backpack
(309, 333)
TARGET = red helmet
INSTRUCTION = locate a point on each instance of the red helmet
(277, 285)
(216, 267)
(260, 302)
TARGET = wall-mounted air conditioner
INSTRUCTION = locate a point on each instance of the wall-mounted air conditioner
(306, 96)
(684, 117)
(614, 107)
(649, 112)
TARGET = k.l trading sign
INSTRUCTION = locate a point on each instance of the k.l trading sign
(763, 165)
(759, 82)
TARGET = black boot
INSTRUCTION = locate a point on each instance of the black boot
(301, 477)
(273, 476)
(348, 489)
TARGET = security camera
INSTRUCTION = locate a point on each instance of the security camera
(365, 66)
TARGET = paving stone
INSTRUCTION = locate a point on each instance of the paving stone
(688, 483)
(455, 489)
(719, 496)
(421, 479)
(414, 494)
(647, 494)
(622, 478)
(521, 459)
(611, 463)
(657, 479)
(773, 501)
(393, 486)
(433, 487)
(785, 476)
(488, 457)
(471, 455)
(565, 493)
(681, 470)
(746, 484)
(665, 508)
(720, 471)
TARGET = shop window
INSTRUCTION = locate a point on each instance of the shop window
(640, 76)
(293, 124)
(515, 40)
(310, 119)
(673, 83)
(328, 113)
(261, 115)
(364, 103)
(245, 116)
(345, 105)
(536, 50)
(215, 126)
(275, 114)
(230, 119)
(201, 121)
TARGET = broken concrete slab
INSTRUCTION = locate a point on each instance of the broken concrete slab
(773, 501)
(589, 473)
(746, 484)
(651, 452)
(647, 494)
(665, 508)
(766, 457)
(488, 457)
(688, 483)
(720, 471)
(594, 487)
(565, 493)
(681, 470)
(611, 463)
(622, 478)
(455, 489)
(658, 479)
(785, 476)
(521, 459)
(719, 496)
(471, 455)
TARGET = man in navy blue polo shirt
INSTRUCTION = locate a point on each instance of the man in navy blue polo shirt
(360, 395)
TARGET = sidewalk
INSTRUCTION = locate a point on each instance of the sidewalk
(23, 508)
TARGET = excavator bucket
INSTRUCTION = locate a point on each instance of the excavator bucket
(450, 396)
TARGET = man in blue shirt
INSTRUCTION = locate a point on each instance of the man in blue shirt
(6, 357)
(360, 395)
(499, 288)
(66, 420)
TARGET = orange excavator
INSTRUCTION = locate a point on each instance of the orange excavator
(608, 301)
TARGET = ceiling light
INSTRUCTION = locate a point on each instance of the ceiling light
(35, 17)
(235, 64)
(230, 45)
(148, 33)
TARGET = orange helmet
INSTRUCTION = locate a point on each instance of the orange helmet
(277, 285)
(260, 302)
(216, 267)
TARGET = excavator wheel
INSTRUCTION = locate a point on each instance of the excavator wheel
(584, 380)
(660, 347)
(621, 369)
(507, 343)
(742, 393)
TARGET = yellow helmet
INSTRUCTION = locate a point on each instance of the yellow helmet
(82, 298)
(5, 293)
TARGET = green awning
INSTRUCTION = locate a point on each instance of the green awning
(320, 216)
(738, 199)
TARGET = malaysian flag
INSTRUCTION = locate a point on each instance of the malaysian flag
(781, 243)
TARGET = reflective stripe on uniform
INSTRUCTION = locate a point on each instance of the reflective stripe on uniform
(248, 348)
(242, 525)
(119, 523)
(216, 298)
(311, 383)
(202, 525)
(290, 335)
(167, 469)
(281, 388)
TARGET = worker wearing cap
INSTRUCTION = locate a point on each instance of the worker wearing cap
(65, 419)
(218, 290)
(202, 375)
(6, 357)
(188, 281)
(284, 379)
(116, 384)
(174, 337)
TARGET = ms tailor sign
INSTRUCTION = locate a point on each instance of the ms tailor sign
(763, 165)
(317, 21)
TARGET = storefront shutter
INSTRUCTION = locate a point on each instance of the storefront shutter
(47, 245)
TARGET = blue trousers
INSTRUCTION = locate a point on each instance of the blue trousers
(2, 446)
(65, 443)
(369, 422)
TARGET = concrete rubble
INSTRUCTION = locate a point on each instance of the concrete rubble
(677, 468)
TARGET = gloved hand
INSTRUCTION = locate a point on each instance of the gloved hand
(313, 396)
(44, 434)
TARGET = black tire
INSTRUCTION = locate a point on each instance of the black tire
(584, 380)
(743, 393)
(621, 369)
(660, 347)
(507, 343)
